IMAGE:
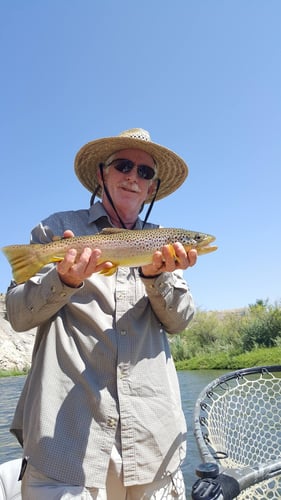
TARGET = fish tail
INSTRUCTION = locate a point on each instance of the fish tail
(26, 260)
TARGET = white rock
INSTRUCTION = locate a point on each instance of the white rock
(15, 347)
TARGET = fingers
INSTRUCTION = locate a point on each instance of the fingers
(180, 260)
(192, 257)
(74, 270)
(68, 234)
(169, 261)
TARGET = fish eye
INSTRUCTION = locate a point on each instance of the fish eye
(197, 237)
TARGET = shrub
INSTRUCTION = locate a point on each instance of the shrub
(262, 327)
(228, 334)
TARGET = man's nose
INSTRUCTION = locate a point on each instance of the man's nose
(133, 174)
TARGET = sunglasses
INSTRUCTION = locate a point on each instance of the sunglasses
(125, 166)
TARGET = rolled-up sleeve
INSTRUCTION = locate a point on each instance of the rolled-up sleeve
(41, 297)
(171, 300)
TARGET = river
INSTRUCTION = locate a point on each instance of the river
(191, 383)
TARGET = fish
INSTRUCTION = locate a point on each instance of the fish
(121, 247)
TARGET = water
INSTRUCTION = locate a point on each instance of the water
(10, 389)
(191, 383)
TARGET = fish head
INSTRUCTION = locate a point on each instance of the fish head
(199, 241)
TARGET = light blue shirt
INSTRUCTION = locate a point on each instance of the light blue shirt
(102, 372)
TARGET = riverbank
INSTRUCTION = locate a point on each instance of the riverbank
(257, 357)
(15, 347)
(212, 342)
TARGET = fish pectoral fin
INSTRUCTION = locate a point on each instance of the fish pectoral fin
(56, 258)
(109, 272)
(172, 252)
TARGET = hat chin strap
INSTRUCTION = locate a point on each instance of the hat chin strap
(101, 165)
(92, 199)
(151, 203)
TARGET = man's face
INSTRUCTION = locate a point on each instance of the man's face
(128, 189)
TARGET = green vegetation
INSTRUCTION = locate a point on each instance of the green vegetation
(225, 340)
(13, 373)
(230, 340)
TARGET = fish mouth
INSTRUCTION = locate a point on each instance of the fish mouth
(207, 240)
(205, 247)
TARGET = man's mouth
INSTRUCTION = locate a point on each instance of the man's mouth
(130, 189)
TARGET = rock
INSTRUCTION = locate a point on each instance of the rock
(15, 347)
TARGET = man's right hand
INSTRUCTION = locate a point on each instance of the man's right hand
(73, 271)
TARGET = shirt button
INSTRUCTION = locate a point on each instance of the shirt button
(111, 422)
(123, 373)
(63, 294)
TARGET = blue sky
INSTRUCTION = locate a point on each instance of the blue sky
(204, 77)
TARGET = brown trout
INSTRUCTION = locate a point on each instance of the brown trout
(122, 247)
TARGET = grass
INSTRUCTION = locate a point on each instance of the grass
(13, 373)
(228, 340)
(220, 361)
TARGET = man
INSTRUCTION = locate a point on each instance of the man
(100, 414)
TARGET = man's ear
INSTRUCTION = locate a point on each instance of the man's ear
(100, 177)
(152, 189)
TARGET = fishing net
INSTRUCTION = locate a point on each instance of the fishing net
(238, 425)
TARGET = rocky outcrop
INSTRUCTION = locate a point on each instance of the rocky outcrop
(15, 347)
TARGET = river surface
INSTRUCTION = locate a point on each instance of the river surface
(191, 383)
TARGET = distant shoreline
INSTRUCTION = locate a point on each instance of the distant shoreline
(258, 357)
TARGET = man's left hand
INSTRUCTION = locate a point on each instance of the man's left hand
(164, 261)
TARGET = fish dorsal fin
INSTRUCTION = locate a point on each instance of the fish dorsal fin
(113, 230)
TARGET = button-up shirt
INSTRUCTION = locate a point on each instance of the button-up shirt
(102, 371)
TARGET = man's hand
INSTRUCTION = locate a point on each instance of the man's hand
(73, 271)
(165, 262)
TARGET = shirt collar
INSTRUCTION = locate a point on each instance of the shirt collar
(97, 211)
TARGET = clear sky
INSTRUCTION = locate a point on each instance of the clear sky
(203, 76)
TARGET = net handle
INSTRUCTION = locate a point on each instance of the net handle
(231, 482)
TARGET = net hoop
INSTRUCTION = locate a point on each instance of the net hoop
(237, 425)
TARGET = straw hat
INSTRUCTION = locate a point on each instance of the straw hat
(171, 169)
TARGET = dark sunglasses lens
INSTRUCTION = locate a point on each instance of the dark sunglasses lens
(145, 172)
(124, 166)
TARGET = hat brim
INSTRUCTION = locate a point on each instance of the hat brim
(171, 169)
